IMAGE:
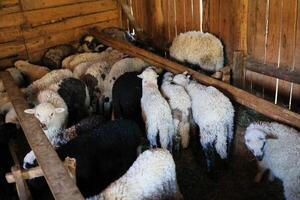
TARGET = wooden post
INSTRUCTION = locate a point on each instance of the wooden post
(260, 105)
(238, 70)
(60, 183)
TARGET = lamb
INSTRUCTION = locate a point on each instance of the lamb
(195, 47)
(31, 71)
(76, 95)
(43, 83)
(213, 113)
(119, 68)
(277, 148)
(180, 103)
(152, 176)
(17, 77)
(54, 56)
(126, 95)
(90, 44)
(102, 155)
(156, 112)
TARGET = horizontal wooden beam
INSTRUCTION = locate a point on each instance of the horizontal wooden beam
(260, 105)
(273, 71)
(60, 183)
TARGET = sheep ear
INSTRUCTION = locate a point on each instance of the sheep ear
(29, 111)
(140, 76)
(59, 110)
(271, 136)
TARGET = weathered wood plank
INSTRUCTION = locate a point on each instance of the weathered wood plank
(70, 23)
(172, 20)
(11, 49)
(13, 19)
(180, 16)
(196, 15)
(38, 4)
(10, 34)
(9, 6)
(260, 105)
(60, 183)
(251, 26)
(188, 15)
(50, 15)
(240, 13)
(282, 73)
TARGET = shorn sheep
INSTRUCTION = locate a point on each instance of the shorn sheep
(195, 47)
(156, 112)
(54, 56)
(152, 176)
(180, 103)
(213, 113)
(277, 148)
(31, 71)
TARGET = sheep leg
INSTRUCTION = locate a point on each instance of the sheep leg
(260, 173)
(209, 155)
(151, 136)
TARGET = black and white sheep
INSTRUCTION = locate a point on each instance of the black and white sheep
(213, 113)
(126, 95)
(152, 176)
(277, 148)
(202, 49)
(156, 112)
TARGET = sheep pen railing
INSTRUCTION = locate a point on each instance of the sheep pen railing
(242, 97)
(59, 181)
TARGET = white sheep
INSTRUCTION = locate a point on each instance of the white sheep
(180, 103)
(152, 176)
(277, 148)
(213, 113)
(43, 83)
(52, 113)
(156, 112)
(119, 68)
(195, 47)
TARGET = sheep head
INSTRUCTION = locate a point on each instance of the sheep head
(255, 140)
(182, 79)
(46, 114)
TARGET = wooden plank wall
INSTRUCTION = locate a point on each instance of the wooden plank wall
(28, 27)
(273, 38)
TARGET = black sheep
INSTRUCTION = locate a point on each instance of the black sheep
(7, 132)
(75, 94)
(126, 98)
(103, 155)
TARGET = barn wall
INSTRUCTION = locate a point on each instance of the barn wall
(266, 30)
(28, 27)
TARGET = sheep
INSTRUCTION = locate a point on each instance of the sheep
(90, 44)
(126, 95)
(52, 77)
(109, 55)
(33, 72)
(54, 55)
(76, 95)
(81, 69)
(213, 113)
(17, 77)
(277, 148)
(8, 131)
(156, 112)
(119, 68)
(118, 33)
(180, 103)
(152, 176)
(102, 155)
(195, 47)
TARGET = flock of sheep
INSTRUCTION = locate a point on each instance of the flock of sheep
(96, 107)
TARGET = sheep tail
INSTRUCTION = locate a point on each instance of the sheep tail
(221, 140)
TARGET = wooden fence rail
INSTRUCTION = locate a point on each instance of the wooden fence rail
(57, 177)
(260, 105)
